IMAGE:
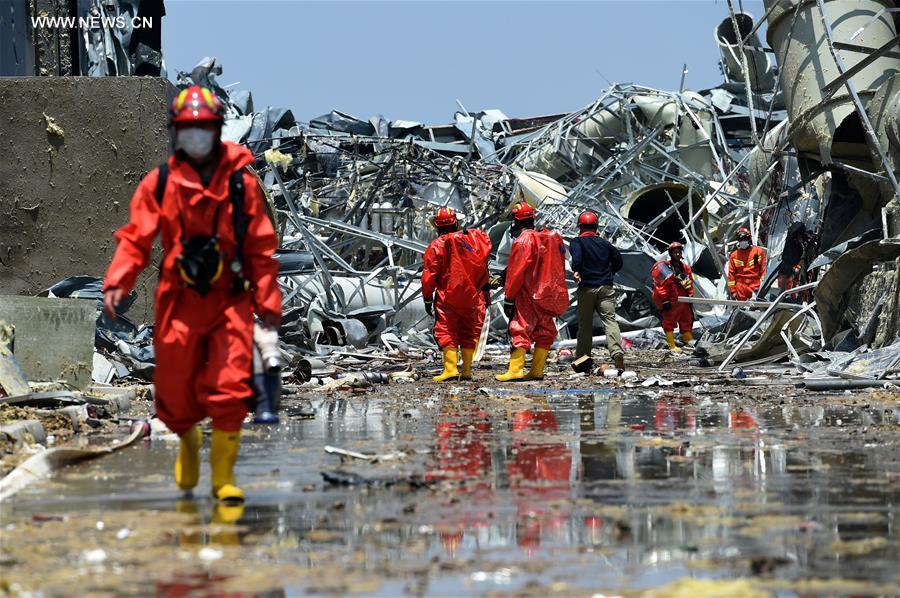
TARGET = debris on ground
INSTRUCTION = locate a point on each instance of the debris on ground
(766, 452)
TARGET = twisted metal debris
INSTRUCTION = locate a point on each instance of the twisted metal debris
(353, 198)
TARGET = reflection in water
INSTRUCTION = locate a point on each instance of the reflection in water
(714, 477)
(462, 457)
(538, 469)
(612, 489)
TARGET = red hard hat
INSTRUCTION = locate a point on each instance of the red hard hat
(587, 218)
(743, 232)
(523, 211)
(196, 105)
(675, 245)
(445, 217)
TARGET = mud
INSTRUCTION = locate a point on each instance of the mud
(570, 486)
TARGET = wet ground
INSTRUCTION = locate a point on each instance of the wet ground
(710, 488)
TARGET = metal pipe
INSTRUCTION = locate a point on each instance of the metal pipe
(597, 341)
(763, 318)
(857, 103)
(736, 303)
(843, 384)
(810, 63)
(787, 325)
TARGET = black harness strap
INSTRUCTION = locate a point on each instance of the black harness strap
(239, 218)
(161, 182)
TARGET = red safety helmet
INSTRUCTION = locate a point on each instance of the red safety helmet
(743, 233)
(523, 211)
(588, 218)
(445, 217)
(675, 245)
(196, 105)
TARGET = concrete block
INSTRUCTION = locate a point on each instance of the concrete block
(74, 149)
(12, 379)
(54, 337)
(25, 431)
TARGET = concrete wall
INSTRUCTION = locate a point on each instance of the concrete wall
(54, 337)
(63, 194)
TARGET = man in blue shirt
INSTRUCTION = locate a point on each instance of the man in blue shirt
(594, 262)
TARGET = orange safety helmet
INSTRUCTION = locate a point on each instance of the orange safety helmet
(523, 211)
(743, 233)
(588, 218)
(675, 245)
(445, 217)
(196, 105)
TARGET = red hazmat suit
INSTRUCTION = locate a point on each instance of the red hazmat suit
(746, 269)
(461, 455)
(539, 477)
(671, 281)
(536, 281)
(203, 344)
(455, 270)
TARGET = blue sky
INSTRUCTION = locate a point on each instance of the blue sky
(412, 59)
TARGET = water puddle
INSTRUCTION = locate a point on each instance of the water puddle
(524, 493)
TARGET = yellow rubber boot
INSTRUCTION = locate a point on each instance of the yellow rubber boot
(222, 457)
(450, 359)
(225, 515)
(516, 370)
(187, 465)
(687, 337)
(188, 536)
(468, 356)
(537, 364)
(670, 338)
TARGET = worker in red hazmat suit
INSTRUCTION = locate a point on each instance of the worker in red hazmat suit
(673, 278)
(536, 292)
(454, 275)
(746, 267)
(217, 270)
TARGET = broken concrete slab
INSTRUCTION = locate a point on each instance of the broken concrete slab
(13, 381)
(25, 431)
(54, 337)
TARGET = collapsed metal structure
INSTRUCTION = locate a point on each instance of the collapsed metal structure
(811, 139)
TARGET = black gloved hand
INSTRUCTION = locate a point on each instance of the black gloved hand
(429, 307)
(509, 308)
(666, 306)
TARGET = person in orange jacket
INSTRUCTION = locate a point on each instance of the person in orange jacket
(208, 291)
(454, 275)
(536, 292)
(673, 278)
(746, 267)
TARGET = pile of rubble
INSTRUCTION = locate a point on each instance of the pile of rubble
(352, 198)
(802, 165)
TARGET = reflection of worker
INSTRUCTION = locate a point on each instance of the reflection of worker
(673, 412)
(594, 262)
(673, 278)
(746, 267)
(535, 292)
(462, 451)
(208, 289)
(538, 474)
(461, 455)
(453, 276)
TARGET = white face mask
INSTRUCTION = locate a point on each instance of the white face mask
(744, 244)
(196, 143)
